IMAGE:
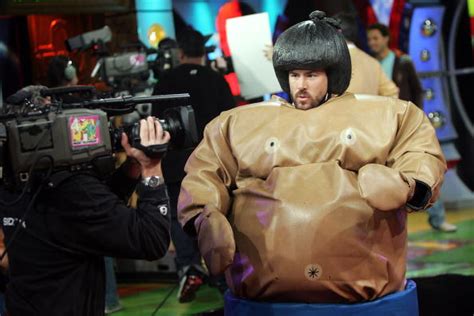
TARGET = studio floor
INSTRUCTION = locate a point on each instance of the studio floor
(430, 254)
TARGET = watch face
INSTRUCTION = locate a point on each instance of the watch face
(154, 181)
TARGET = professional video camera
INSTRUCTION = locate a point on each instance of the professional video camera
(121, 71)
(128, 71)
(79, 136)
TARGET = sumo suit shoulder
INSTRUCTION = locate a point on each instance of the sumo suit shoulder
(368, 76)
(287, 181)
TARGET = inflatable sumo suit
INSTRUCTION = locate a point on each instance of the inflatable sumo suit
(311, 206)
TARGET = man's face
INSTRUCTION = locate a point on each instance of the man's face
(308, 87)
(377, 42)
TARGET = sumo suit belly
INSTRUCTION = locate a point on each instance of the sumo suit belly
(305, 234)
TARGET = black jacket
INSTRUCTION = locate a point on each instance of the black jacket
(210, 95)
(56, 260)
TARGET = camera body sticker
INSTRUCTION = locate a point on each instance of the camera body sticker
(84, 130)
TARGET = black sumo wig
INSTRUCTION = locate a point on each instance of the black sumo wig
(314, 44)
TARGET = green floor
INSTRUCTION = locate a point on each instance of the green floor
(145, 303)
(430, 253)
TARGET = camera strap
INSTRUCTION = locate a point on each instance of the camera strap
(153, 151)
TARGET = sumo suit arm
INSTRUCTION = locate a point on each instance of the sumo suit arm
(414, 170)
(205, 200)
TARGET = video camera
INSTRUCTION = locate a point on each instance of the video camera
(129, 70)
(120, 71)
(79, 136)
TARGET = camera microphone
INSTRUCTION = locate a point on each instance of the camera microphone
(84, 40)
(19, 97)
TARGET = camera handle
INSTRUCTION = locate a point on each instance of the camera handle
(153, 151)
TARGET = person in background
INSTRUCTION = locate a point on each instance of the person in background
(112, 302)
(368, 76)
(63, 73)
(10, 72)
(210, 95)
(400, 68)
(437, 218)
(396, 65)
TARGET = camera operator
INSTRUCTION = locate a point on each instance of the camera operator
(61, 72)
(56, 259)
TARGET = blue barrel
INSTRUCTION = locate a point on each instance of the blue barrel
(404, 303)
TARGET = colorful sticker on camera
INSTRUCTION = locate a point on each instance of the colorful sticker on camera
(84, 130)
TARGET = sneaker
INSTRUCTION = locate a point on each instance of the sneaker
(188, 287)
(446, 227)
(113, 309)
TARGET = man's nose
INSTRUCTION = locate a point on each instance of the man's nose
(301, 83)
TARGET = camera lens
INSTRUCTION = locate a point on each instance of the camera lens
(178, 121)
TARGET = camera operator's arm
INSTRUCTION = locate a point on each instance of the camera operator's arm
(91, 219)
(125, 179)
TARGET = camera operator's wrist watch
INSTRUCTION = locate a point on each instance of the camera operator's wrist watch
(153, 181)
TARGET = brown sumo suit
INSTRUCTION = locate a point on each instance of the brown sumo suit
(309, 206)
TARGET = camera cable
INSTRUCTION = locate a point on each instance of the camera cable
(30, 204)
(26, 188)
(164, 300)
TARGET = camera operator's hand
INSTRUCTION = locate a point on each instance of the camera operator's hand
(151, 133)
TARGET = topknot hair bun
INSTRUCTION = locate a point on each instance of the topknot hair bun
(317, 15)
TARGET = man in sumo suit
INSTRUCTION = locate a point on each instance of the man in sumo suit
(308, 201)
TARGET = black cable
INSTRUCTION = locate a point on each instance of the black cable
(30, 204)
(11, 203)
(26, 187)
(164, 300)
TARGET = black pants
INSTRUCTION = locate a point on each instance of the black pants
(187, 251)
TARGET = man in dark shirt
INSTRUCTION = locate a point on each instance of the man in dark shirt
(396, 65)
(400, 67)
(210, 95)
(56, 259)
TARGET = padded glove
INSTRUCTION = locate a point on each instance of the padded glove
(215, 240)
(385, 188)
